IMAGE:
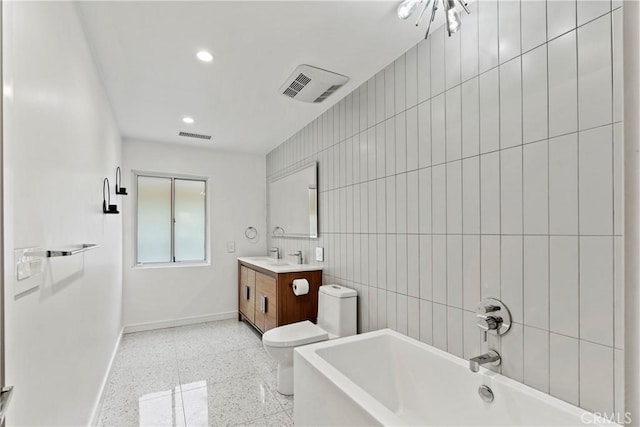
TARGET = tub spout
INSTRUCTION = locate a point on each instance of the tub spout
(491, 357)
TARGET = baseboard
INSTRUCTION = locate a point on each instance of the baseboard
(95, 413)
(149, 326)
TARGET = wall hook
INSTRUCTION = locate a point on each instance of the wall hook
(120, 190)
(107, 207)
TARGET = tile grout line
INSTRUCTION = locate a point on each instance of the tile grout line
(297, 164)
(177, 362)
(446, 197)
(522, 256)
(579, 227)
(613, 195)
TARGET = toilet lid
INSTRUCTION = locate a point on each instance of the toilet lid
(295, 334)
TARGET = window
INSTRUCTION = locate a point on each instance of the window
(171, 219)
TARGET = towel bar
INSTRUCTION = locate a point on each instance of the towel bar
(67, 252)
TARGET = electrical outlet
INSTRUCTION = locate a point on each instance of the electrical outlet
(320, 254)
(231, 246)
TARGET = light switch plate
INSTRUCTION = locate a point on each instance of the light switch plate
(231, 246)
(320, 254)
(27, 266)
(28, 269)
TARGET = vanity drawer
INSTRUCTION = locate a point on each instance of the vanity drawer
(266, 308)
(247, 297)
(247, 276)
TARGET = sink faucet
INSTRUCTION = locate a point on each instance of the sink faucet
(491, 357)
(299, 255)
(275, 251)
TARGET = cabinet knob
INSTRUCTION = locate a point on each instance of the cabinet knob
(247, 292)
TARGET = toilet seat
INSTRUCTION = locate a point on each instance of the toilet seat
(294, 334)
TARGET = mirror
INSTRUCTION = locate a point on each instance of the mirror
(293, 207)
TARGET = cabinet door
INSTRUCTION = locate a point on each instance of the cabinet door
(247, 292)
(266, 308)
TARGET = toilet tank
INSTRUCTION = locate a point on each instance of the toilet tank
(337, 310)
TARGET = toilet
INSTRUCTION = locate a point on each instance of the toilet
(337, 311)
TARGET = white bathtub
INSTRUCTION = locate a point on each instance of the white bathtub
(386, 378)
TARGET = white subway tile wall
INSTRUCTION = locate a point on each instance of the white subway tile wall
(487, 164)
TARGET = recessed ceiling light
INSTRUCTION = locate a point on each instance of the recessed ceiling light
(187, 120)
(204, 56)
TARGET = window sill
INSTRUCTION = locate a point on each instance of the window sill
(171, 265)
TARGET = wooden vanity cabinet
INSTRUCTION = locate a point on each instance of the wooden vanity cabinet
(247, 299)
(266, 299)
(266, 305)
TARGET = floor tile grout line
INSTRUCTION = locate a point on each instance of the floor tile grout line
(175, 352)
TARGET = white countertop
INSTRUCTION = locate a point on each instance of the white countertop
(278, 265)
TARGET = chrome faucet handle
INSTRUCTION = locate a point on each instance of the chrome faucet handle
(492, 316)
(489, 323)
(491, 308)
(275, 250)
(299, 255)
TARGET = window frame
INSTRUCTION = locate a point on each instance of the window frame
(172, 264)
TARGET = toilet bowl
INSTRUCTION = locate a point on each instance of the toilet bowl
(337, 317)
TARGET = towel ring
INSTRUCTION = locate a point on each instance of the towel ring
(251, 233)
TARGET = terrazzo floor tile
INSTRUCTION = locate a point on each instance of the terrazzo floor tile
(229, 403)
(271, 379)
(140, 339)
(210, 374)
(209, 344)
(275, 420)
(126, 386)
(258, 360)
(131, 356)
(216, 368)
(123, 416)
(165, 410)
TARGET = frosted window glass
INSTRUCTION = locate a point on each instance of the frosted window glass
(154, 219)
(190, 223)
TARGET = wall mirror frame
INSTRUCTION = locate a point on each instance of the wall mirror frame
(293, 203)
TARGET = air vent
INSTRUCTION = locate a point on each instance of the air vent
(297, 85)
(312, 84)
(194, 135)
(327, 93)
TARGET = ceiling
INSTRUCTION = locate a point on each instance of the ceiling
(145, 53)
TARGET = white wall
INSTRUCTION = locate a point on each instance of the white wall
(161, 296)
(60, 141)
(487, 164)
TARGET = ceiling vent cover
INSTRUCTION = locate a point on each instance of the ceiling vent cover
(312, 84)
(194, 135)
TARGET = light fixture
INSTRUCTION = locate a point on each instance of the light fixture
(407, 7)
(204, 56)
(453, 22)
(119, 188)
(188, 120)
(107, 207)
(453, 19)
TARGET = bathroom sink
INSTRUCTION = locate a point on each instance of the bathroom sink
(278, 263)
